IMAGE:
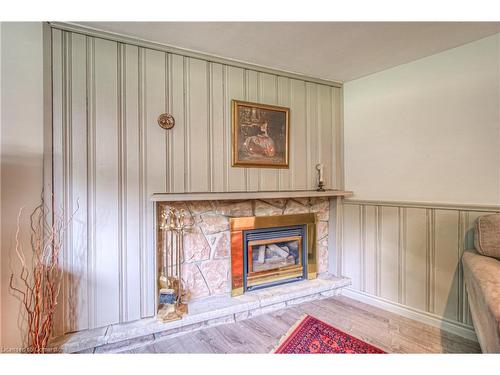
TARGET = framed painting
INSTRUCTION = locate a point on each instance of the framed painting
(260, 135)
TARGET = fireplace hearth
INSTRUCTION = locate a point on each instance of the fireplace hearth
(272, 250)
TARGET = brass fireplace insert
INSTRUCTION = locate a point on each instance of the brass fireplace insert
(267, 250)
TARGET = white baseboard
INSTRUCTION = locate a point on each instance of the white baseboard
(456, 328)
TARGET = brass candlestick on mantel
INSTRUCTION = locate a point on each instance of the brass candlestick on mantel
(321, 186)
(171, 295)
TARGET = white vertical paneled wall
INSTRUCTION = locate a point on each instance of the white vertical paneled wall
(110, 156)
(409, 255)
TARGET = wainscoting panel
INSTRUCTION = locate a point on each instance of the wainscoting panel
(370, 247)
(110, 156)
(352, 259)
(408, 255)
(444, 261)
(415, 258)
(389, 253)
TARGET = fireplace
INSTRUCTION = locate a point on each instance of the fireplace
(271, 250)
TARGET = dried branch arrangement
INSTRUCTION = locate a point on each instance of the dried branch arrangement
(39, 281)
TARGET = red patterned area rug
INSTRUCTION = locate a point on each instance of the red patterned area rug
(310, 335)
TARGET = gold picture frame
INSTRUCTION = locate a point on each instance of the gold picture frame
(261, 134)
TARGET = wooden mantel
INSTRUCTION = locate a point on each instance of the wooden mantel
(244, 195)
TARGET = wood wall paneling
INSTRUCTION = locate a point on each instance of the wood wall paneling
(155, 159)
(106, 182)
(410, 255)
(77, 184)
(198, 139)
(416, 258)
(312, 134)
(389, 242)
(131, 187)
(325, 134)
(110, 156)
(268, 86)
(234, 78)
(58, 149)
(337, 139)
(351, 249)
(252, 94)
(298, 136)
(370, 249)
(446, 264)
(284, 100)
(218, 131)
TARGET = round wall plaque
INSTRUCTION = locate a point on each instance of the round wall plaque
(166, 121)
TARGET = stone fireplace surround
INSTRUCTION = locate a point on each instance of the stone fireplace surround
(207, 246)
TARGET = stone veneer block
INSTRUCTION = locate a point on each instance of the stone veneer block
(330, 293)
(169, 333)
(293, 207)
(322, 251)
(216, 274)
(266, 209)
(321, 206)
(322, 229)
(78, 341)
(218, 321)
(213, 223)
(280, 203)
(200, 207)
(196, 247)
(125, 344)
(220, 244)
(195, 283)
(299, 300)
(234, 209)
(302, 201)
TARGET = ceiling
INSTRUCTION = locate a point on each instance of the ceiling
(338, 51)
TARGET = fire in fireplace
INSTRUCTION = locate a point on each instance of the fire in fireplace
(271, 250)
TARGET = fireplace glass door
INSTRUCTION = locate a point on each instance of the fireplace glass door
(274, 256)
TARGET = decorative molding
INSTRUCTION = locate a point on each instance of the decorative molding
(432, 205)
(68, 26)
(447, 325)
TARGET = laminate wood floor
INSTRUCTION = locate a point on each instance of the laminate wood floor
(390, 332)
